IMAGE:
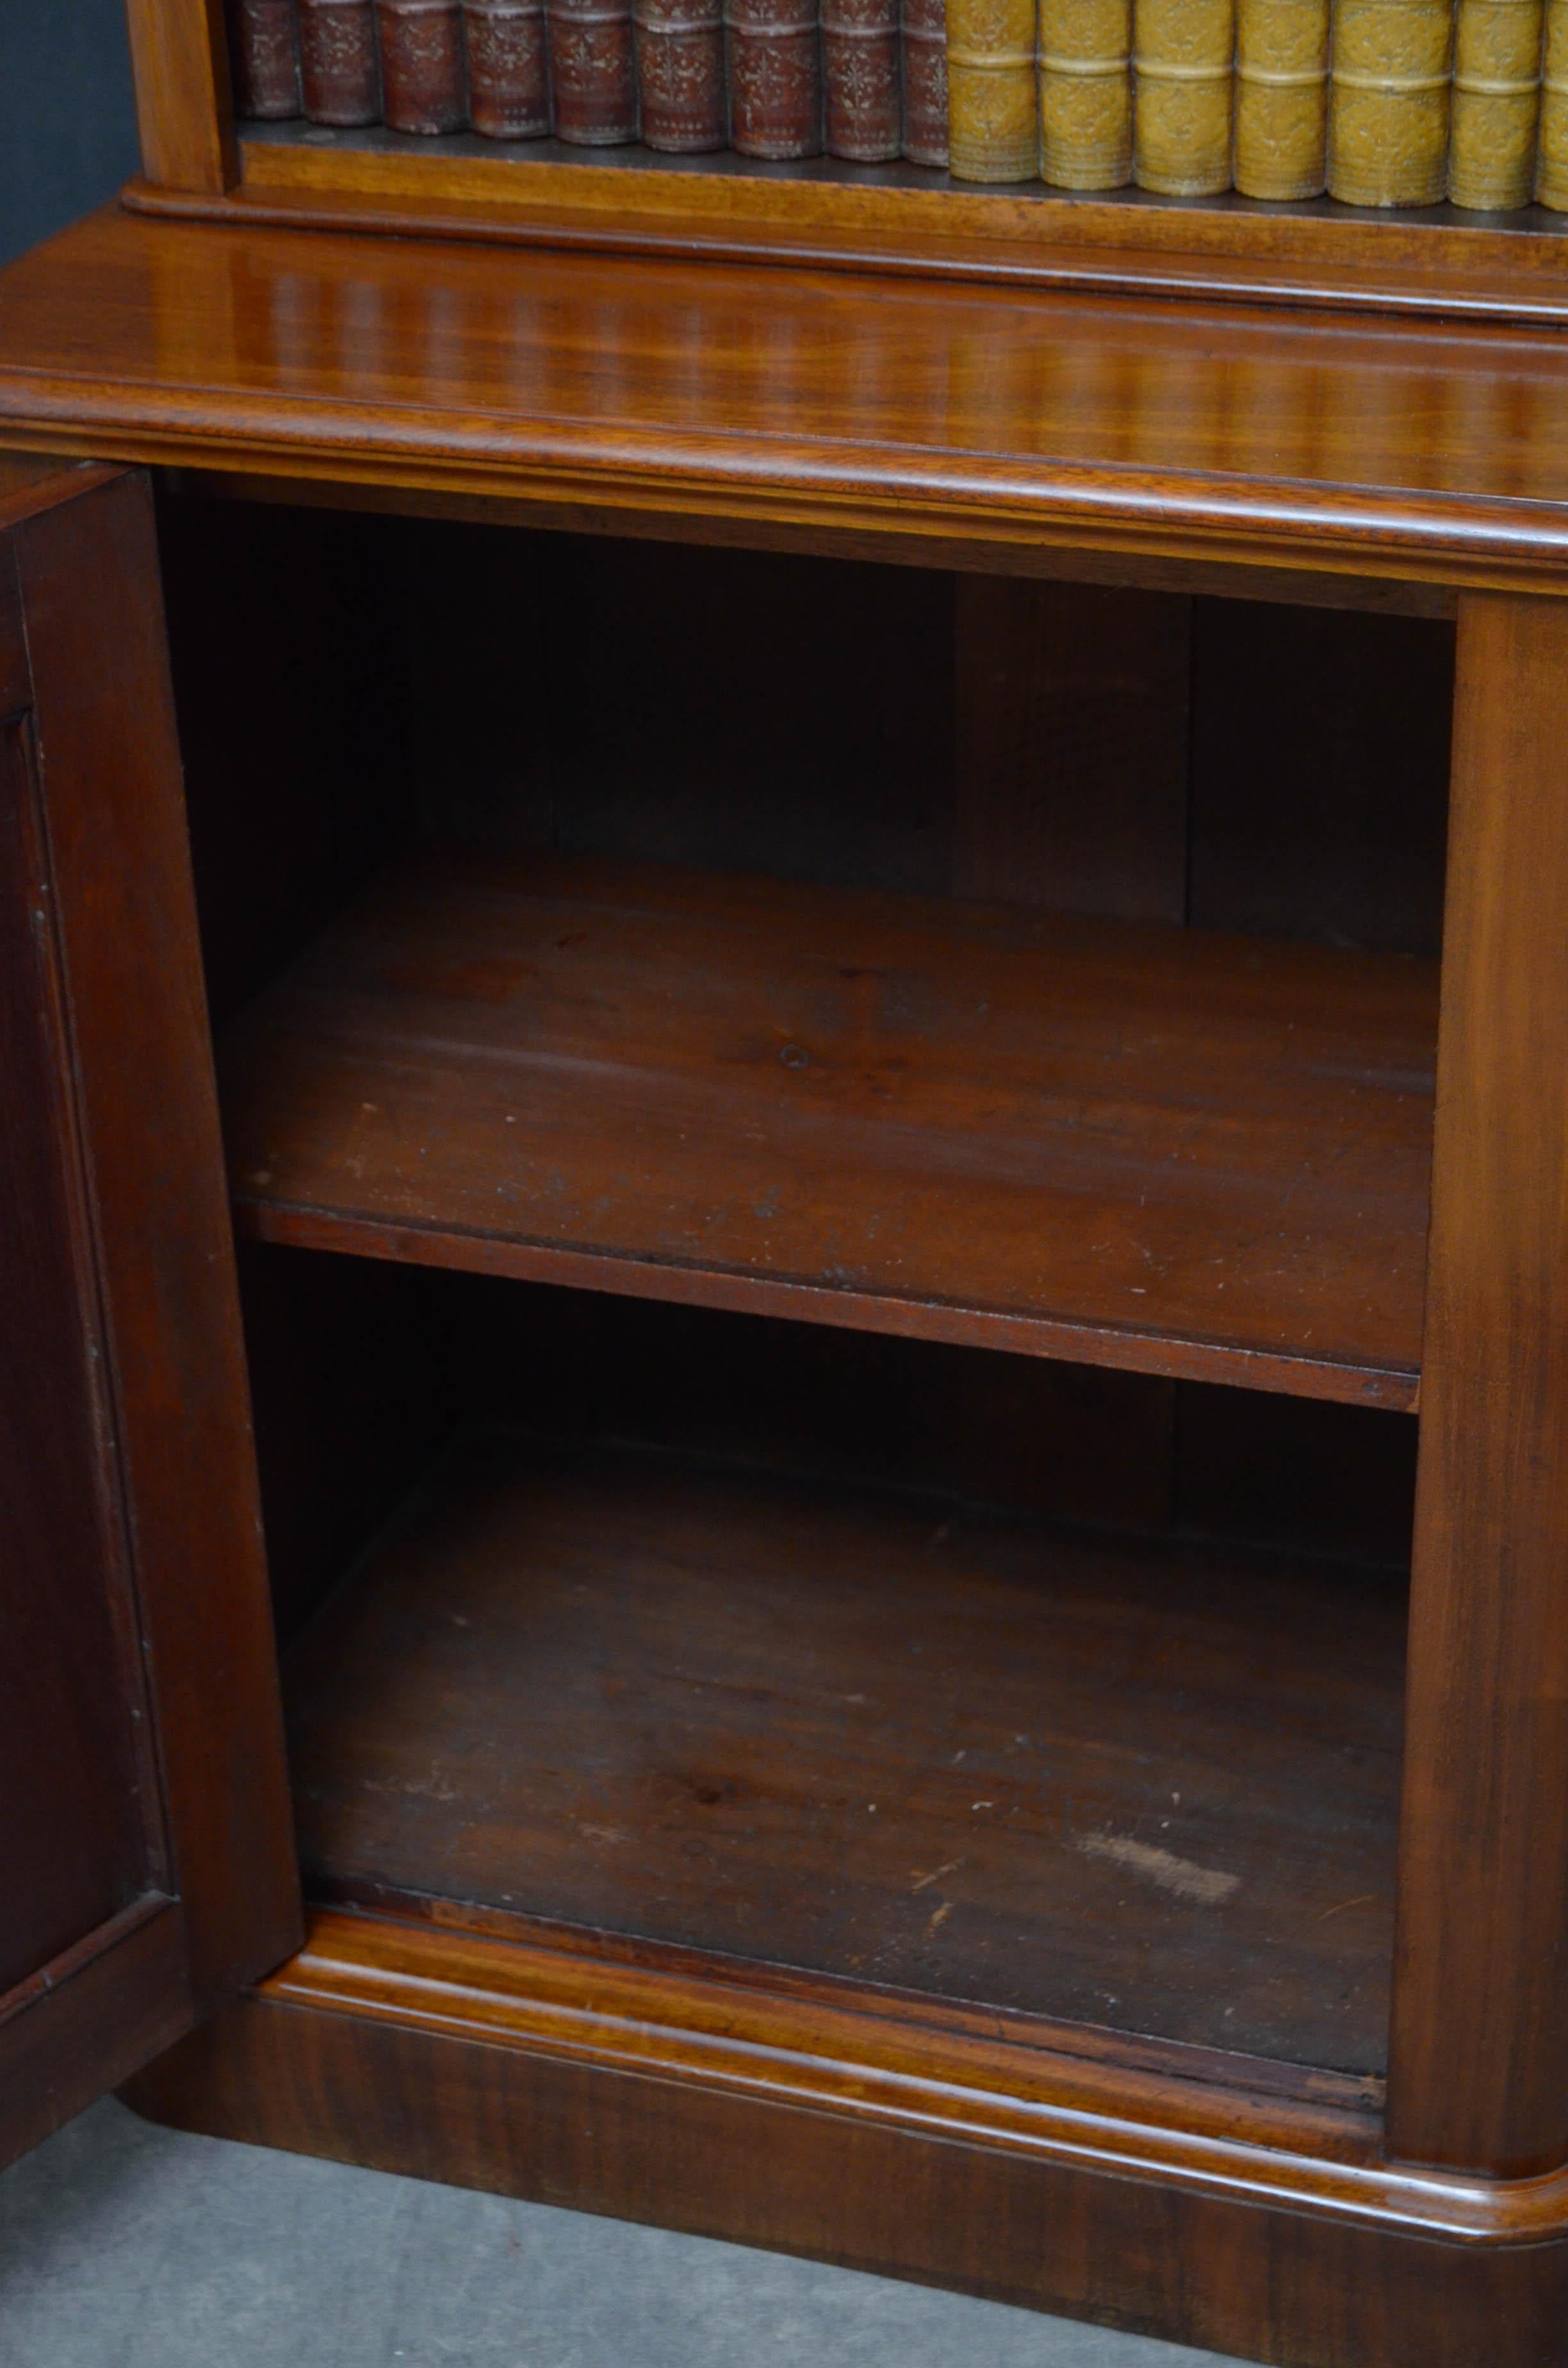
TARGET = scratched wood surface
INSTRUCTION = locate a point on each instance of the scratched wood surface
(1136, 1145)
(874, 1736)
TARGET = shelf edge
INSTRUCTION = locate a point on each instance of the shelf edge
(1281, 1372)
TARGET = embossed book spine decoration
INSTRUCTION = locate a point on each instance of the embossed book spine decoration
(265, 59)
(508, 81)
(423, 86)
(1551, 141)
(1388, 107)
(774, 49)
(340, 61)
(925, 42)
(680, 75)
(1085, 93)
(592, 72)
(861, 80)
(1183, 55)
(993, 99)
(1497, 102)
(1281, 97)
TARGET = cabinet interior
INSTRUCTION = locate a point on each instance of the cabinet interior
(712, 1516)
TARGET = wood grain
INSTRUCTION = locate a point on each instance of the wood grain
(72, 1699)
(1072, 773)
(1111, 2190)
(162, 1247)
(1117, 1782)
(179, 53)
(1480, 2073)
(812, 401)
(952, 553)
(1132, 1147)
(900, 222)
(89, 2018)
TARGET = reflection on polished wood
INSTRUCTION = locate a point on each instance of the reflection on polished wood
(873, 413)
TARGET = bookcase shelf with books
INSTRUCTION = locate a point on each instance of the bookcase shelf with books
(1443, 172)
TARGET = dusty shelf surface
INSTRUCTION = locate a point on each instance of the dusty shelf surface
(1119, 1142)
(1132, 1782)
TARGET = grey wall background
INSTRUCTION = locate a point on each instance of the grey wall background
(67, 124)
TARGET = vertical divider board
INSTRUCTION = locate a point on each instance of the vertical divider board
(184, 105)
(1479, 2060)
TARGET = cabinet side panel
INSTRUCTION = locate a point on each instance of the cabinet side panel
(148, 1112)
(183, 110)
(1478, 2068)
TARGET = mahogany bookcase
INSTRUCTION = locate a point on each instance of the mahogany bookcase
(839, 1003)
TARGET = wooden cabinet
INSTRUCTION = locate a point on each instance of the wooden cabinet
(884, 969)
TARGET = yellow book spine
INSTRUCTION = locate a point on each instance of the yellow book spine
(1552, 147)
(1085, 93)
(1495, 104)
(1183, 53)
(1281, 97)
(993, 108)
(1388, 108)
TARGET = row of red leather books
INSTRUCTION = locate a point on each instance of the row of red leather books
(862, 79)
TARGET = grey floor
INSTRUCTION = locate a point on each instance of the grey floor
(122, 2246)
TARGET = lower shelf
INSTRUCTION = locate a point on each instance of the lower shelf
(869, 1735)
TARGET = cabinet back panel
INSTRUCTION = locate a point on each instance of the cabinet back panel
(731, 709)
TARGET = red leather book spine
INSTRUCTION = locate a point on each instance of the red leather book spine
(680, 75)
(775, 78)
(592, 72)
(861, 111)
(508, 72)
(265, 59)
(338, 60)
(424, 84)
(926, 82)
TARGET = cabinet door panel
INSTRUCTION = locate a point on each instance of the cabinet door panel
(145, 1855)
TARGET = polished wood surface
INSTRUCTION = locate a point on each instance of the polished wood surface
(643, 1696)
(88, 2018)
(122, 1784)
(1127, 1144)
(893, 221)
(1074, 2182)
(777, 398)
(179, 53)
(1480, 2044)
(73, 1707)
(120, 869)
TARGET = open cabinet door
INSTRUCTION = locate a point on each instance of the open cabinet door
(146, 1859)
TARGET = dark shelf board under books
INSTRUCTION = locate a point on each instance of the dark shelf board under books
(1119, 1142)
(875, 1734)
(899, 218)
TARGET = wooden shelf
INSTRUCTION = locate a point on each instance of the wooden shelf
(899, 219)
(1122, 1144)
(910, 420)
(869, 1735)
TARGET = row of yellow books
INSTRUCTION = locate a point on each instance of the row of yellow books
(1380, 102)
